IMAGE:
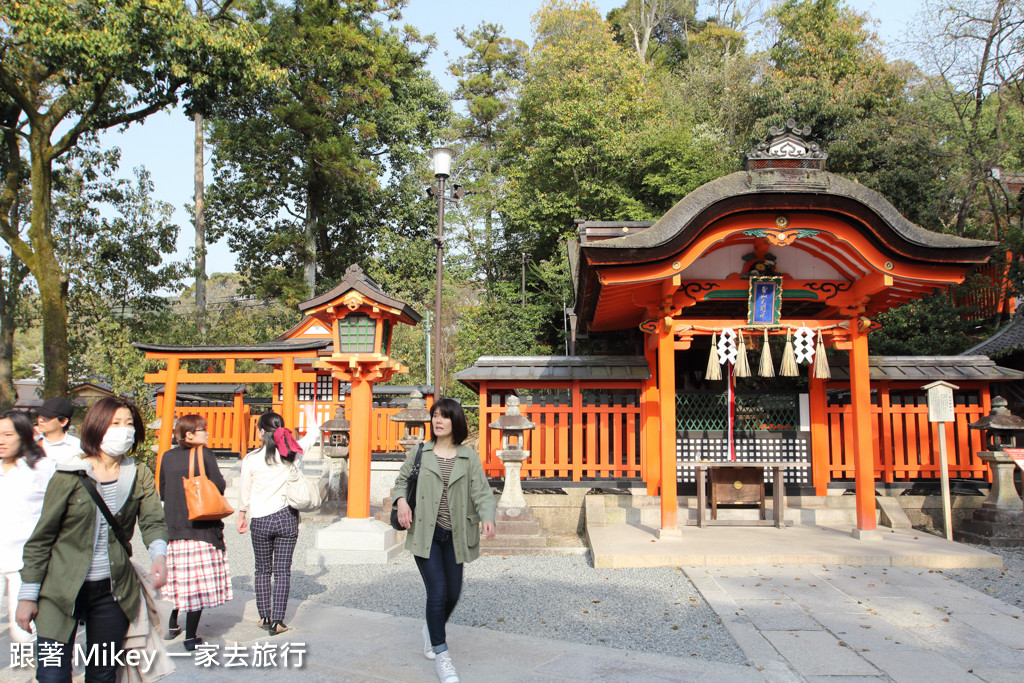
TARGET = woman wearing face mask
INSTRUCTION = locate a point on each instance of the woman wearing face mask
(75, 568)
(24, 473)
(198, 576)
(263, 509)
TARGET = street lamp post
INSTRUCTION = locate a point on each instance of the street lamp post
(441, 160)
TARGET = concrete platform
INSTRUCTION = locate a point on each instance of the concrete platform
(627, 545)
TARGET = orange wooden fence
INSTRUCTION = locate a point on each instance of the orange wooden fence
(905, 443)
(226, 425)
(605, 445)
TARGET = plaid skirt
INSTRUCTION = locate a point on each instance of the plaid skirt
(197, 576)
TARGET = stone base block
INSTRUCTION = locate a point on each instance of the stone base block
(866, 534)
(356, 541)
(997, 528)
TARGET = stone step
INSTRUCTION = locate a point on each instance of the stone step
(515, 541)
(557, 550)
(529, 528)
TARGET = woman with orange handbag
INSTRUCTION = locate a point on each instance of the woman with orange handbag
(198, 576)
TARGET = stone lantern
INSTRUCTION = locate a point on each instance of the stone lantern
(1000, 521)
(334, 435)
(512, 425)
(334, 446)
(414, 419)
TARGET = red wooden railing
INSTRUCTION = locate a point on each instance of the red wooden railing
(906, 444)
(606, 443)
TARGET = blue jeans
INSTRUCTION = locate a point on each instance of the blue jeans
(442, 577)
(105, 626)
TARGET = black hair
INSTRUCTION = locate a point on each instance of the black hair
(451, 409)
(30, 450)
(270, 423)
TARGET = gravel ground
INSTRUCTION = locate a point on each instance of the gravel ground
(1006, 584)
(559, 597)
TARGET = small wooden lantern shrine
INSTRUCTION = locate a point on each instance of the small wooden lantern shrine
(361, 318)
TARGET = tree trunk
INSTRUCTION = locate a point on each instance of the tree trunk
(311, 227)
(200, 207)
(51, 279)
(8, 305)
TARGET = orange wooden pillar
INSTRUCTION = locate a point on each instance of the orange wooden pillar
(361, 394)
(289, 399)
(667, 391)
(821, 471)
(650, 410)
(864, 457)
(167, 411)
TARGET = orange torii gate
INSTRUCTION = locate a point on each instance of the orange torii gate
(840, 254)
(345, 332)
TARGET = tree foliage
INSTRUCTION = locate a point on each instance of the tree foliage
(71, 69)
(308, 171)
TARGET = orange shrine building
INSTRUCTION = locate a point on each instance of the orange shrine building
(782, 253)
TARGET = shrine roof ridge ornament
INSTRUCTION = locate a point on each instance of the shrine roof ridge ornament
(786, 147)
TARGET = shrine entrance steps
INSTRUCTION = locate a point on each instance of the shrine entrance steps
(800, 510)
(624, 531)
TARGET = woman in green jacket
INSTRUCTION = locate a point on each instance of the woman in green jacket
(74, 566)
(452, 498)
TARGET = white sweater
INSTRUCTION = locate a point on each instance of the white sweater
(262, 486)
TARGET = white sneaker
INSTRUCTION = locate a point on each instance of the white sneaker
(445, 669)
(428, 649)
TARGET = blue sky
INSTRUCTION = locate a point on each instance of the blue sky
(163, 144)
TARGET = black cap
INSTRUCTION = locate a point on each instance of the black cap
(57, 407)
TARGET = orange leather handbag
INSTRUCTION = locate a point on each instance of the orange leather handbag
(205, 501)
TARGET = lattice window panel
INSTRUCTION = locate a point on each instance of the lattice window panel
(324, 388)
(760, 447)
(356, 333)
(700, 411)
(305, 391)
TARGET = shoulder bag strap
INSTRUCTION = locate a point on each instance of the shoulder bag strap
(194, 455)
(416, 463)
(102, 505)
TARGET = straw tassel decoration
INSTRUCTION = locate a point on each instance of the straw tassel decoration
(821, 369)
(767, 366)
(788, 367)
(742, 366)
(714, 372)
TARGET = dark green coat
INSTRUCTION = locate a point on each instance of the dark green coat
(58, 553)
(470, 501)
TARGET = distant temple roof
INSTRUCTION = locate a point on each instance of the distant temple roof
(268, 347)
(1010, 338)
(553, 368)
(929, 369)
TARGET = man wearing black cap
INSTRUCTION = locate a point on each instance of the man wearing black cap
(54, 417)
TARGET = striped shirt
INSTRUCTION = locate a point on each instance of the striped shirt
(99, 568)
(444, 516)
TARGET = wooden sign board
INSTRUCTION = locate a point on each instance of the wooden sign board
(764, 304)
(940, 401)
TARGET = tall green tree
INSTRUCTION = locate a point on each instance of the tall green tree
(825, 69)
(307, 172)
(582, 111)
(117, 242)
(76, 68)
(488, 79)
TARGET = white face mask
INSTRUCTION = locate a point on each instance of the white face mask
(118, 441)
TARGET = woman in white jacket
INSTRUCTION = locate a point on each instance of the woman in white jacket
(263, 509)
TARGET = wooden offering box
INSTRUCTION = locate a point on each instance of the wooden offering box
(736, 485)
